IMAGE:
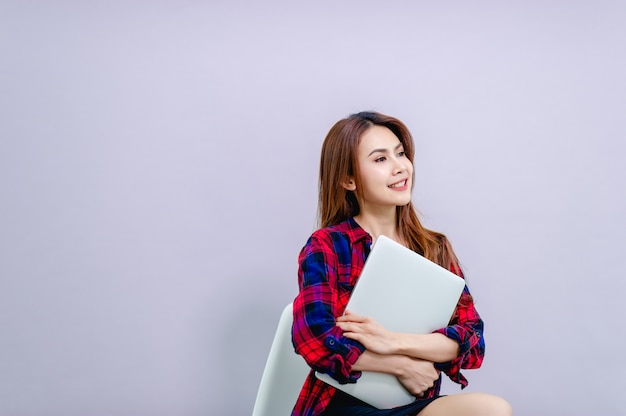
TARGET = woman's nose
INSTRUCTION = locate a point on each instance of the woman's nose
(400, 166)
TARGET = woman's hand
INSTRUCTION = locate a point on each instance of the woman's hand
(417, 376)
(368, 332)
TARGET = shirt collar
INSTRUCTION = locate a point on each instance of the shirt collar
(355, 231)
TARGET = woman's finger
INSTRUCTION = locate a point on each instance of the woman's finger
(352, 317)
(349, 326)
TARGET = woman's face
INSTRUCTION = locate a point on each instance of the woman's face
(385, 171)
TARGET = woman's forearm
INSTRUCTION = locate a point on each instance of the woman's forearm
(414, 374)
(433, 347)
(430, 347)
(388, 363)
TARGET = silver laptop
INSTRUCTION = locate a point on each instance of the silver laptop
(404, 292)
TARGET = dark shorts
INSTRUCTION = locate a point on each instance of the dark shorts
(343, 404)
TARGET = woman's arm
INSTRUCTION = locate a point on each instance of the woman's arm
(416, 375)
(314, 333)
(466, 328)
(433, 347)
(457, 346)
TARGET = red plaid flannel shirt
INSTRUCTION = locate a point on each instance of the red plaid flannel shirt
(330, 264)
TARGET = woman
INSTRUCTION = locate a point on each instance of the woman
(366, 178)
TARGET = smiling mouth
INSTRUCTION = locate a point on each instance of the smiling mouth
(400, 184)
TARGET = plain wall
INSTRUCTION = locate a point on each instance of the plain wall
(158, 165)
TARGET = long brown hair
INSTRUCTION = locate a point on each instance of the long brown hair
(338, 163)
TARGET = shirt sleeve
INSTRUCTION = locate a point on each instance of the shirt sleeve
(466, 328)
(314, 333)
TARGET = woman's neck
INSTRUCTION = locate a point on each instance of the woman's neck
(377, 224)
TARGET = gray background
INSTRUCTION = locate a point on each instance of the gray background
(158, 165)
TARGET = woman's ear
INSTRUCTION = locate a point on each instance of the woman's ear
(350, 185)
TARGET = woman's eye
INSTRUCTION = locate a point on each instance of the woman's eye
(380, 159)
(401, 154)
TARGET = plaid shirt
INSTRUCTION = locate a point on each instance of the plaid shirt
(330, 264)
